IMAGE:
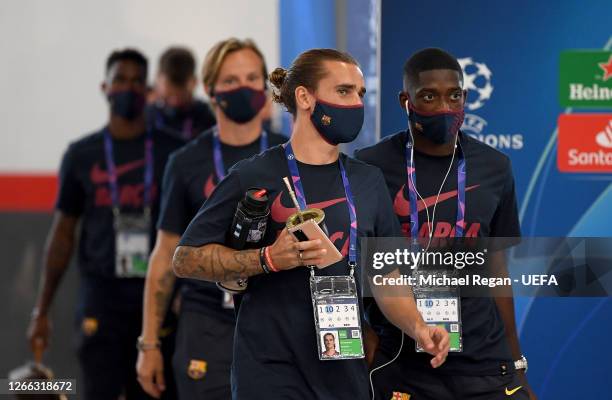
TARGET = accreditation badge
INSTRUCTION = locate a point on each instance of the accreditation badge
(337, 318)
(132, 245)
(440, 306)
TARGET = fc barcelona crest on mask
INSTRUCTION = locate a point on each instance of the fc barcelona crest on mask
(326, 120)
(196, 369)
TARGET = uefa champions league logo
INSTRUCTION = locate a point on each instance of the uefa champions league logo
(476, 79)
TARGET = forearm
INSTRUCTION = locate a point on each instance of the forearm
(58, 252)
(505, 305)
(402, 312)
(370, 343)
(504, 301)
(159, 286)
(398, 306)
(215, 263)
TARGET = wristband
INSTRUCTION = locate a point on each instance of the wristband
(141, 345)
(269, 260)
(262, 261)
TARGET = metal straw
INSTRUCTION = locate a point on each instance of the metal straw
(293, 198)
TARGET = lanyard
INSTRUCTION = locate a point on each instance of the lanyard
(112, 171)
(218, 156)
(414, 213)
(299, 194)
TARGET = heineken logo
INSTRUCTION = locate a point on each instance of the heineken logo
(607, 69)
(579, 92)
(585, 78)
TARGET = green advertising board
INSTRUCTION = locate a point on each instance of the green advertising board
(585, 78)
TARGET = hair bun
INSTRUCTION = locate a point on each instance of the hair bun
(277, 77)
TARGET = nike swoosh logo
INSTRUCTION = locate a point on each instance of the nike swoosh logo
(401, 206)
(98, 176)
(209, 186)
(281, 213)
(511, 392)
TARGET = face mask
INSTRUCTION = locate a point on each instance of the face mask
(440, 128)
(127, 104)
(177, 112)
(241, 105)
(337, 124)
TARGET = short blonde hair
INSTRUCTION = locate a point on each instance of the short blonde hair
(216, 55)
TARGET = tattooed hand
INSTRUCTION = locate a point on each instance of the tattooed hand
(217, 263)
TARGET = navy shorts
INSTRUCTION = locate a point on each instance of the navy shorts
(107, 354)
(398, 381)
(203, 356)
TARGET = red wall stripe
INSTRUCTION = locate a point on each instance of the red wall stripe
(27, 192)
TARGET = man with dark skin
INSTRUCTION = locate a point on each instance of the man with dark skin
(491, 364)
(101, 183)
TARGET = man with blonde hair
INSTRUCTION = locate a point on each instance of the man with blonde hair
(234, 76)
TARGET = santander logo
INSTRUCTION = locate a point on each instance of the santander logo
(604, 138)
(585, 143)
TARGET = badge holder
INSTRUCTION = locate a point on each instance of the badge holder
(440, 306)
(132, 243)
(337, 318)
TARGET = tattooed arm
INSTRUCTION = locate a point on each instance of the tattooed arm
(59, 247)
(218, 263)
(158, 289)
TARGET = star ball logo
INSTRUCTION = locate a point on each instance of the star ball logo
(585, 78)
(477, 80)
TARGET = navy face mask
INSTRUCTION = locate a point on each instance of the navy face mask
(440, 127)
(127, 104)
(241, 105)
(177, 112)
(336, 123)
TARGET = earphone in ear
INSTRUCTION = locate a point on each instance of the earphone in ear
(430, 224)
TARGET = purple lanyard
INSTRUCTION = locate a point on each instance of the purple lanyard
(112, 171)
(188, 128)
(187, 131)
(299, 194)
(218, 156)
(414, 213)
